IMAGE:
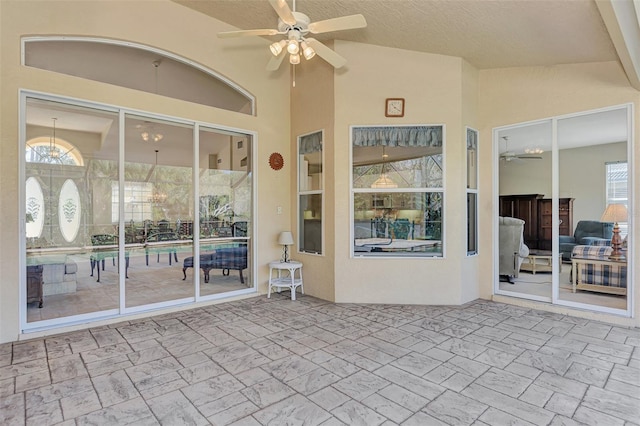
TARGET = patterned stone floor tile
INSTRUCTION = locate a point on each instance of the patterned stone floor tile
(505, 403)
(133, 412)
(496, 417)
(453, 408)
(562, 404)
(356, 414)
(79, 404)
(258, 362)
(612, 403)
(360, 385)
(174, 408)
(114, 388)
(504, 382)
(314, 381)
(295, 410)
(267, 392)
(12, 410)
(387, 408)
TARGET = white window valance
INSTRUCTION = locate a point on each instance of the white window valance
(405, 136)
(311, 143)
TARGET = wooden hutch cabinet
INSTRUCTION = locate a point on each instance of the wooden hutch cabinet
(536, 213)
(565, 214)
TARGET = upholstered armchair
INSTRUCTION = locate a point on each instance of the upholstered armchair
(587, 233)
(512, 249)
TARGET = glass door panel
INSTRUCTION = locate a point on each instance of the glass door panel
(225, 212)
(525, 259)
(158, 209)
(593, 197)
(71, 160)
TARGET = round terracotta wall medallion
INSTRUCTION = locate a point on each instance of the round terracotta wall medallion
(276, 161)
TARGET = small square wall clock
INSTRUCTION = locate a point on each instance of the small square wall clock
(394, 107)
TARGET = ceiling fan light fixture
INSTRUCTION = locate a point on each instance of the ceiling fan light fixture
(293, 47)
(534, 150)
(277, 47)
(307, 51)
(294, 59)
(151, 136)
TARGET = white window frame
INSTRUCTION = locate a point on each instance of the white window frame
(472, 190)
(300, 227)
(441, 190)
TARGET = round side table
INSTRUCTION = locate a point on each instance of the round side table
(283, 275)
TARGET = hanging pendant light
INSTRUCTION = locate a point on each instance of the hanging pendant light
(384, 181)
(157, 197)
(149, 134)
(54, 152)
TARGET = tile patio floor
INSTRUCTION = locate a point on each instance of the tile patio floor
(278, 362)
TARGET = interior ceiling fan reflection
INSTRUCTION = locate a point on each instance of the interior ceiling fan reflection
(296, 26)
(511, 156)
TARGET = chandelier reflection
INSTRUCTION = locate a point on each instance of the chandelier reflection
(54, 151)
(384, 181)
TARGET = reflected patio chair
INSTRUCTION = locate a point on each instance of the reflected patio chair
(164, 226)
(379, 228)
(159, 237)
(109, 249)
(401, 229)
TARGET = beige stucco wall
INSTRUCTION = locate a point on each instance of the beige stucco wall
(432, 88)
(438, 90)
(312, 109)
(469, 277)
(164, 25)
(514, 95)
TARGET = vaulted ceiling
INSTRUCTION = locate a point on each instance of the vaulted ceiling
(486, 33)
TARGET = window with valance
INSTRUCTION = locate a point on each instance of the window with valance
(397, 190)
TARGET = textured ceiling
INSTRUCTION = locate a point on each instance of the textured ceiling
(487, 33)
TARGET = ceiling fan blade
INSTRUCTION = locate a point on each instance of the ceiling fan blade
(243, 33)
(284, 12)
(528, 158)
(276, 61)
(338, 24)
(325, 53)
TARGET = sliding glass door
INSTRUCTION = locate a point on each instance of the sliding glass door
(525, 258)
(158, 197)
(593, 204)
(566, 181)
(112, 221)
(69, 170)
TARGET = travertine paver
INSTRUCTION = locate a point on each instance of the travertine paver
(259, 362)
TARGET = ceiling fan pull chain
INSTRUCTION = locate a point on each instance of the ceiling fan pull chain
(293, 75)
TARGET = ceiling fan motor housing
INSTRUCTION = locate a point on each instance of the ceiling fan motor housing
(302, 23)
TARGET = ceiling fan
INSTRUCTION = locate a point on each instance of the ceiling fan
(511, 156)
(296, 26)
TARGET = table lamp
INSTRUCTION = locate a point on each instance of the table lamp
(615, 213)
(286, 240)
